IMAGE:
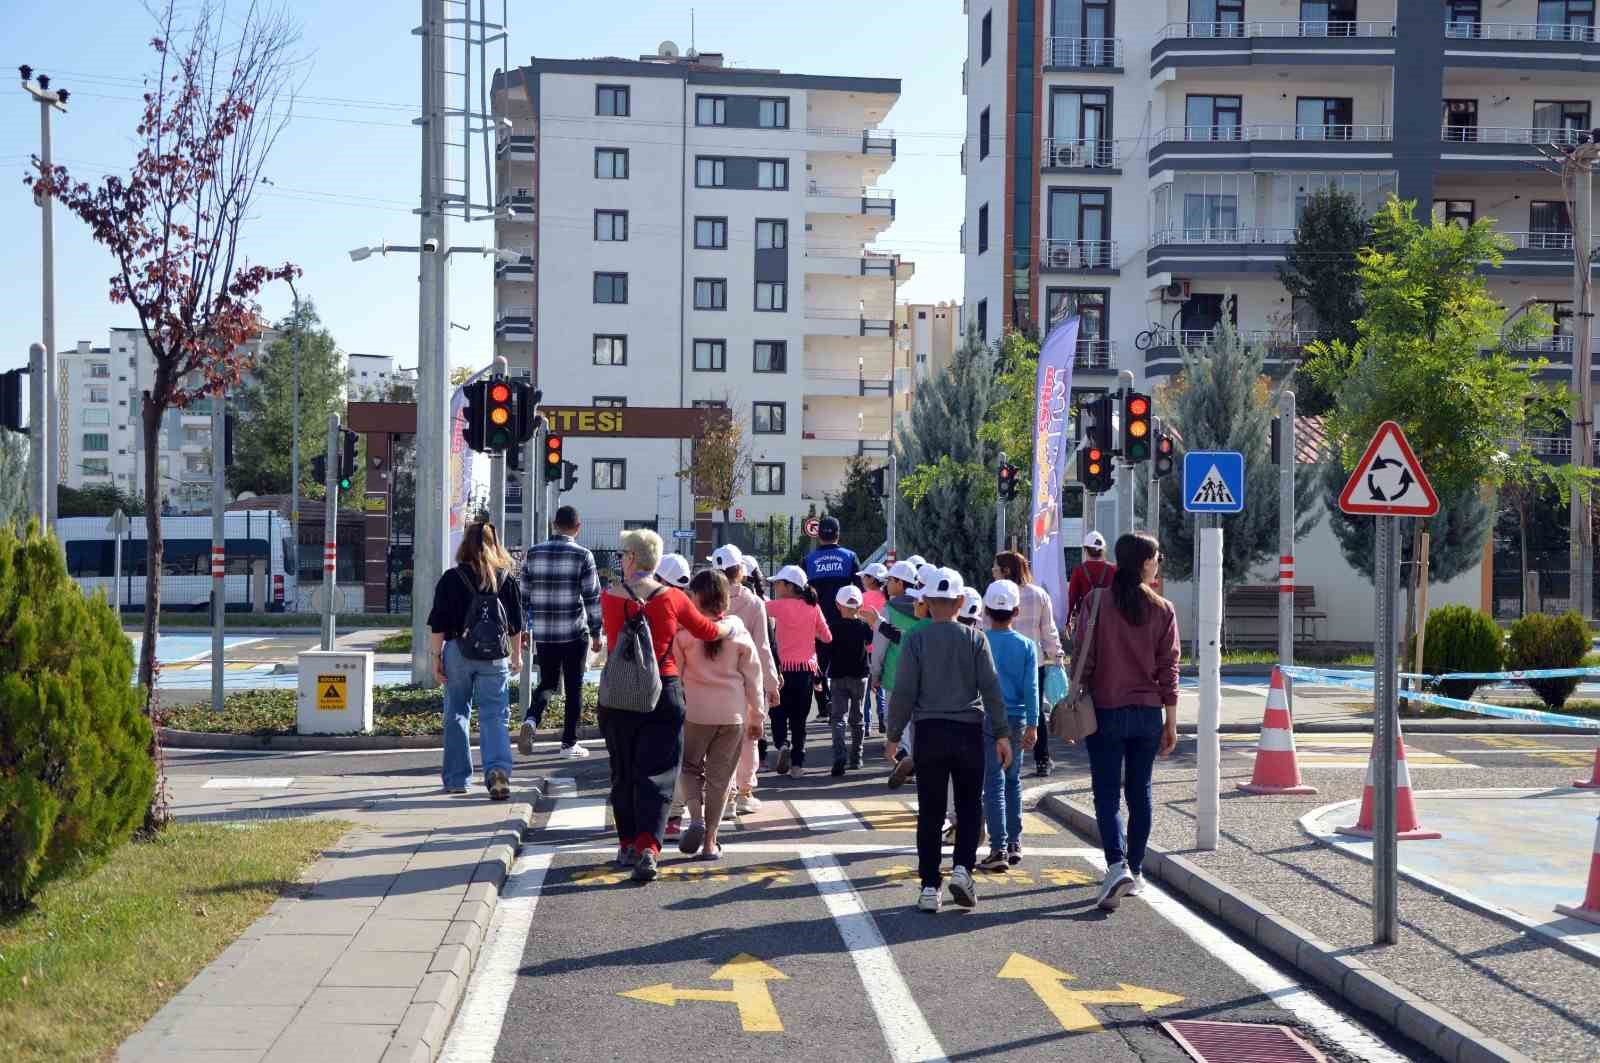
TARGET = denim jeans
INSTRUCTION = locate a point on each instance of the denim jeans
(1122, 755)
(1002, 790)
(848, 693)
(469, 682)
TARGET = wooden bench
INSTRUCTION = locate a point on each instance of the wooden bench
(1250, 615)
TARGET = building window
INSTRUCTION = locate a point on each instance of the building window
(610, 350)
(95, 417)
(96, 441)
(771, 235)
(611, 226)
(611, 101)
(710, 293)
(710, 356)
(611, 164)
(102, 467)
(772, 295)
(772, 356)
(1080, 123)
(1081, 216)
(99, 395)
(773, 113)
(610, 287)
(767, 418)
(1459, 212)
(772, 173)
(711, 234)
(1558, 121)
(709, 404)
(983, 228)
(983, 134)
(986, 38)
(1461, 121)
(1549, 218)
(710, 172)
(609, 474)
(1323, 117)
(1216, 18)
(99, 371)
(710, 110)
(983, 320)
(609, 402)
(1213, 117)
(1089, 304)
(766, 478)
(1565, 20)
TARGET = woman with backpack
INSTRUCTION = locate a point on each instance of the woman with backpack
(646, 747)
(476, 622)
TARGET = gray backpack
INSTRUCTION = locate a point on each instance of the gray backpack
(631, 678)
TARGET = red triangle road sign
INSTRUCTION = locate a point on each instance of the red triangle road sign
(1388, 481)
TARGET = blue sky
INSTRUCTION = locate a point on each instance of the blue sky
(346, 169)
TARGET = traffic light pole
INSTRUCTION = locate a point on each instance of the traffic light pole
(330, 532)
(532, 535)
(219, 542)
(1125, 481)
(1000, 512)
(41, 436)
(893, 495)
(1152, 502)
(497, 472)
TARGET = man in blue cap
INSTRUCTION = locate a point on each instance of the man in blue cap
(828, 568)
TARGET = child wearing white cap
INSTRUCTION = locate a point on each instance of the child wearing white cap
(1016, 662)
(904, 614)
(847, 678)
(800, 626)
(673, 570)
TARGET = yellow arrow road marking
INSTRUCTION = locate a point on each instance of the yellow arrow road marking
(1070, 1006)
(749, 993)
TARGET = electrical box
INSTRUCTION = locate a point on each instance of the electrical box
(335, 693)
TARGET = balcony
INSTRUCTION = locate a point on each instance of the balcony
(517, 145)
(1558, 47)
(1537, 254)
(871, 437)
(1272, 42)
(1098, 54)
(1096, 356)
(1069, 154)
(514, 324)
(852, 141)
(844, 383)
(516, 205)
(1501, 149)
(849, 262)
(1079, 256)
(850, 199)
(1283, 347)
(841, 321)
(1276, 146)
(520, 272)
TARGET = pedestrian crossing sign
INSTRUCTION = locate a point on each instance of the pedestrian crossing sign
(1213, 481)
(331, 692)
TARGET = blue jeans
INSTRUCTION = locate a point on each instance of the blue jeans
(482, 683)
(1002, 790)
(1122, 756)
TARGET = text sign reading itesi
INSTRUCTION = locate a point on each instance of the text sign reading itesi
(331, 692)
(1213, 481)
(1388, 481)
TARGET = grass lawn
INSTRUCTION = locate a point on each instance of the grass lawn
(309, 621)
(98, 955)
(395, 711)
(399, 642)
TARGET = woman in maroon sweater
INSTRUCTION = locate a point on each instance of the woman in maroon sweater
(646, 749)
(1131, 668)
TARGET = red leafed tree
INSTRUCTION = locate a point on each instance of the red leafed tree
(213, 108)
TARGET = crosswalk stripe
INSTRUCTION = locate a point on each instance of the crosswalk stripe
(825, 815)
(578, 813)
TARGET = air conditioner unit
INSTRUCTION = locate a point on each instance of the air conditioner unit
(1176, 292)
(1060, 257)
(1067, 156)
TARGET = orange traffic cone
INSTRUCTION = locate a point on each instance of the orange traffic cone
(1589, 910)
(1405, 810)
(1593, 782)
(1277, 770)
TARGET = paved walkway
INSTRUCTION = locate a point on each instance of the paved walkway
(368, 960)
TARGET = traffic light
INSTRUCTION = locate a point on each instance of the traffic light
(552, 458)
(347, 458)
(1275, 458)
(1006, 482)
(569, 475)
(514, 459)
(319, 469)
(11, 400)
(527, 399)
(1166, 450)
(1136, 434)
(500, 416)
(1094, 455)
(227, 440)
(879, 478)
(476, 396)
(1096, 420)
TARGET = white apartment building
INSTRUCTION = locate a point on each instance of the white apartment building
(927, 338)
(1137, 162)
(369, 376)
(696, 234)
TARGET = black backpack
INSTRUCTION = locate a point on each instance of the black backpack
(485, 634)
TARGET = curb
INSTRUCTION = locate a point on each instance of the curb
(171, 738)
(1355, 982)
(422, 1032)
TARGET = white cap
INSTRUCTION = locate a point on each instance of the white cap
(1094, 541)
(927, 574)
(749, 563)
(791, 574)
(972, 605)
(916, 561)
(1003, 596)
(726, 557)
(876, 571)
(944, 583)
(904, 571)
(850, 596)
(674, 570)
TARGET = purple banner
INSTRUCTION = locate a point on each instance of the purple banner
(1053, 399)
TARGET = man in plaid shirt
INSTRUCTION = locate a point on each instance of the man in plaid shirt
(561, 595)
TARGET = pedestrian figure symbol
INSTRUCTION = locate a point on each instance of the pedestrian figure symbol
(1213, 491)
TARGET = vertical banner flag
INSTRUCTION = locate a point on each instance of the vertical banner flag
(1053, 398)
(458, 475)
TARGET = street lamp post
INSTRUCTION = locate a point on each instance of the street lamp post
(294, 450)
(49, 99)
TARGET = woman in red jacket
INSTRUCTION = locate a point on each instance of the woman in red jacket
(646, 749)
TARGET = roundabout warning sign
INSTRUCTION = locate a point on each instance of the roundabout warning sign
(1388, 481)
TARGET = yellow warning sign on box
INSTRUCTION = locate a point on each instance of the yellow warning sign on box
(331, 692)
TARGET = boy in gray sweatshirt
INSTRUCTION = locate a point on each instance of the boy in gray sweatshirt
(946, 684)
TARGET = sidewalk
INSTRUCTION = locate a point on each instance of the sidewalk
(368, 960)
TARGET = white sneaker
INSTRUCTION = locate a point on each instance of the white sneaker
(1115, 887)
(962, 891)
(748, 803)
(929, 901)
(574, 752)
(1137, 888)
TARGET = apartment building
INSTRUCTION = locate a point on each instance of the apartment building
(696, 234)
(372, 377)
(1137, 162)
(927, 338)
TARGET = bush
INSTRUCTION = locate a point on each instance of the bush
(75, 771)
(1459, 638)
(1539, 641)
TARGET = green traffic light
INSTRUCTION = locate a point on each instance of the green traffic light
(344, 485)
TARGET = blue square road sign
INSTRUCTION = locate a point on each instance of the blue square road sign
(1213, 481)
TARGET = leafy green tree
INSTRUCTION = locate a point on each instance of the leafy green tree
(862, 522)
(14, 504)
(1457, 534)
(1319, 270)
(96, 500)
(1223, 401)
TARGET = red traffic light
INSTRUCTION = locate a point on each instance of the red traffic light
(552, 449)
(500, 392)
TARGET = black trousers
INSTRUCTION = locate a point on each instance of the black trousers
(558, 662)
(824, 691)
(1041, 748)
(646, 750)
(790, 714)
(949, 755)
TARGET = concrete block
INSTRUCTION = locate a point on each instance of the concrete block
(464, 933)
(400, 935)
(453, 958)
(1279, 936)
(282, 969)
(305, 1039)
(1480, 1049)
(229, 1028)
(481, 890)
(420, 906)
(438, 987)
(1239, 912)
(475, 912)
(363, 968)
(320, 917)
(1322, 966)
(358, 1005)
(1430, 1026)
(1373, 994)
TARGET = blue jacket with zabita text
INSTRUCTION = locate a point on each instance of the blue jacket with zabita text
(828, 568)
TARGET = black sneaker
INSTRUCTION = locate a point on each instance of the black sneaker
(1014, 855)
(645, 870)
(995, 861)
(1043, 769)
(855, 762)
(903, 772)
(838, 768)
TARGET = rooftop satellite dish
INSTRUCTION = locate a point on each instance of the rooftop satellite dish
(667, 50)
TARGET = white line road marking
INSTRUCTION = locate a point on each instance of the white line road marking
(560, 786)
(578, 813)
(792, 848)
(476, 1029)
(823, 815)
(264, 782)
(266, 753)
(905, 1030)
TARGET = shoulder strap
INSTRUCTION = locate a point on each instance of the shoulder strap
(1088, 636)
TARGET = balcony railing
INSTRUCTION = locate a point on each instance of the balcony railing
(514, 323)
(1542, 345)
(1078, 254)
(1096, 354)
(1276, 27)
(1477, 134)
(1095, 53)
(521, 270)
(1282, 339)
(1228, 234)
(1175, 134)
(1079, 154)
(873, 200)
(516, 205)
(868, 433)
(1179, 337)
(516, 146)
(1540, 241)
(1517, 31)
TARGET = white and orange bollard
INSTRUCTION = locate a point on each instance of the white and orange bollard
(1589, 910)
(1407, 826)
(1277, 769)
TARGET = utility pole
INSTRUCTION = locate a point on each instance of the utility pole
(1286, 467)
(48, 99)
(41, 430)
(330, 537)
(294, 451)
(219, 541)
(1580, 168)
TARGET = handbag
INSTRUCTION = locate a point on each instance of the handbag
(630, 681)
(1055, 684)
(1073, 719)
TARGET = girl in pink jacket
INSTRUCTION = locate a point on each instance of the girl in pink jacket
(723, 703)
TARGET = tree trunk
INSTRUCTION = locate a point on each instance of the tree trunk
(152, 550)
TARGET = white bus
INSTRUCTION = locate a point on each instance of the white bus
(258, 551)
